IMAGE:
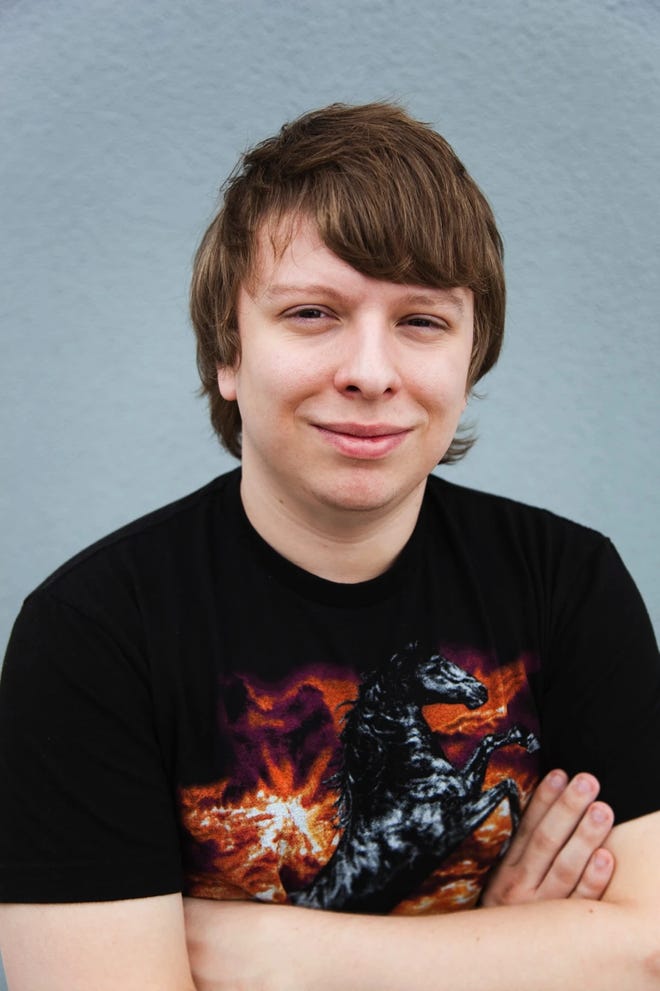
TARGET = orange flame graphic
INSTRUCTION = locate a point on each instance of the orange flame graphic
(276, 836)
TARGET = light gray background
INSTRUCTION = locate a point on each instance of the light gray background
(119, 120)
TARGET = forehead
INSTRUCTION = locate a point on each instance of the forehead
(290, 243)
(291, 256)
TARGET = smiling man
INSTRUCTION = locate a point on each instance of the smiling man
(282, 733)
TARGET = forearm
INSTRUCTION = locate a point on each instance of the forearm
(540, 947)
(536, 947)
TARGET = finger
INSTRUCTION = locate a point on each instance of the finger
(574, 860)
(561, 820)
(596, 876)
(545, 795)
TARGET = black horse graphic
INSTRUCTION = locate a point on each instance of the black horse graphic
(402, 806)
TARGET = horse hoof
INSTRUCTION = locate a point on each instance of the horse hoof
(532, 744)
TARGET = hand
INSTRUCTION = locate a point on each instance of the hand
(557, 851)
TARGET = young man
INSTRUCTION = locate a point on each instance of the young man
(331, 680)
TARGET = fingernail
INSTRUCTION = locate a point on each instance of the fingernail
(557, 780)
(598, 813)
(601, 860)
(584, 785)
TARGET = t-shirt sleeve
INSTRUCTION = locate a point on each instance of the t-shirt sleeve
(87, 810)
(601, 708)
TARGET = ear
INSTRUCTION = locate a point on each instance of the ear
(227, 382)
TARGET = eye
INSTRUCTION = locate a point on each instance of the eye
(308, 320)
(421, 322)
(307, 313)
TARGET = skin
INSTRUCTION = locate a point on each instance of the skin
(136, 945)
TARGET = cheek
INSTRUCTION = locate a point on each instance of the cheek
(290, 372)
(274, 383)
(444, 390)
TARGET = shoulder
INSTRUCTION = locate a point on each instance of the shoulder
(488, 519)
(562, 564)
(149, 551)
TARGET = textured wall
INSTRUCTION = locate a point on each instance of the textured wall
(119, 120)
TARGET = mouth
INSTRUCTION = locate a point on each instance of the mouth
(363, 441)
(363, 429)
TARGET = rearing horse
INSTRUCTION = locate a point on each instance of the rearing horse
(402, 806)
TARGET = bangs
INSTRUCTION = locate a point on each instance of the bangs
(390, 218)
(397, 233)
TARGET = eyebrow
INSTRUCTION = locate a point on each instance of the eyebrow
(313, 288)
(437, 296)
(430, 298)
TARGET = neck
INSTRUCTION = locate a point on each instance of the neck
(338, 544)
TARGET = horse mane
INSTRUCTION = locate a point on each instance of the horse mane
(368, 729)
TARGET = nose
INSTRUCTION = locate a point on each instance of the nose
(366, 360)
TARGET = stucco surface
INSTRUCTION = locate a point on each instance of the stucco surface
(119, 121)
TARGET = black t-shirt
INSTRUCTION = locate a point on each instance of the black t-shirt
(182, 709)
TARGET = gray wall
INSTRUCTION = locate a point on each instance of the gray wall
(119, 120)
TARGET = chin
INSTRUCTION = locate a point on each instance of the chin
(364, 495)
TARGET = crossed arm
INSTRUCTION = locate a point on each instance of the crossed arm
(543, 926)
(606, 945)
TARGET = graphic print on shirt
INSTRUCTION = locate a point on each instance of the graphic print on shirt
(393, 795)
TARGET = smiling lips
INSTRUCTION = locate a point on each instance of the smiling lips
(363, 441)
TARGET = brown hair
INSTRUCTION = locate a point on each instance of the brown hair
(389, 197)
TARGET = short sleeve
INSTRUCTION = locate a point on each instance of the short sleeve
(601, 702)
(87, 811)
